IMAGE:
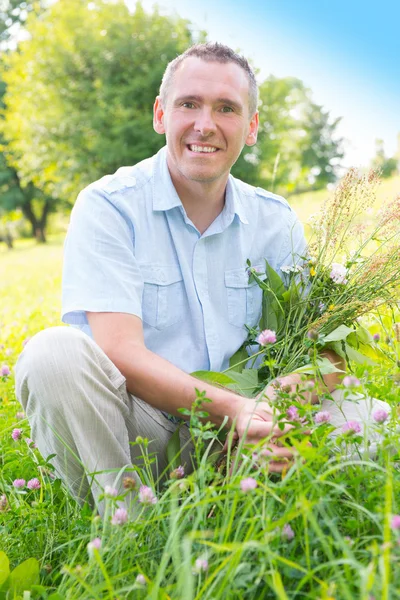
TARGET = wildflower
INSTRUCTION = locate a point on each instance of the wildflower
(146, 495)
(95, 544)
(20, 415)
(119, 517)
(201, 564)
(177, 473)
(313, 272)
(5, 370)
(19, 483)
(30, 442)
(248, 484)
(312, 334)
(323, 416)
(287, 532)
(16, 434)
(3, 503)
(338, 273)
(351, 382)
(266, 337)
(129, 483)
(351, 427)
(110, 491)
(33, 484)
(376, 337)
(321, 307)
(309, 385)
(292, 413)
(331, 307)
(395, 523)
(380, 415)
(140, 579)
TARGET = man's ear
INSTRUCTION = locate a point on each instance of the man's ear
(251, 138)
(158, 116)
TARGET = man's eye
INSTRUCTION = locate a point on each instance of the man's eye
(188, 104)
(227, 109)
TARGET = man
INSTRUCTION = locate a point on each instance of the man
(155, 275)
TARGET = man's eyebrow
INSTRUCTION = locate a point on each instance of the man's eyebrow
(197, 98)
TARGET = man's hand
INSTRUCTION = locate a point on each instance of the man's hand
(257, 421)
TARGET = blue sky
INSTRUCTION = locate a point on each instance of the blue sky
(347, 52)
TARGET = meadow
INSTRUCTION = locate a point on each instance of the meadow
(328, 528)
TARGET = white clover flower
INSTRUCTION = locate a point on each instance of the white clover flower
(338, 273)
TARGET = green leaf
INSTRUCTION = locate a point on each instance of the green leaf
(245, 382)
(326, 367)
(174, 449)
(363, 335)
(340, 333)
(358, 357)
(274, 280)
(213, 377)
(270, 312)
(239, 357)
(24, 576)
(4, 567)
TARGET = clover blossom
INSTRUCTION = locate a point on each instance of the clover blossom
(146, 495)
(266, 337)
(19, 483)
(248, 484)
(351, 382)
(33, 484)
(395, 522)
(140, 579)
(16, 434)
(287, 532)
(323, 416)
(338, 273)
(351, 427)
(120, 517)
(380, 415)
(5, 370)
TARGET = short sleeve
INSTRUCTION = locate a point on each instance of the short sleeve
(295, 245)
(100, 272)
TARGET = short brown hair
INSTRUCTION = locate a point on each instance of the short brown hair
(212, 51)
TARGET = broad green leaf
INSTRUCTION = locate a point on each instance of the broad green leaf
(174, 449)
(305, 369)
(357, 356)
(56, 596)
(4, 567)
(270, 312)
(213, 377)
(274, 280)
(340, 333)
(239, 356)
(363, 335)
(338, 348)
(245, 382)
(326, 367)
(24, 576)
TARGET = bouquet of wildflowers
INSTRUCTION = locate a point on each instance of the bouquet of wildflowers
(351, 267)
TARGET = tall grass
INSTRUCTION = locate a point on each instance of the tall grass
(322, 530)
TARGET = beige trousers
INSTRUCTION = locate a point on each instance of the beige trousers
(79, 409)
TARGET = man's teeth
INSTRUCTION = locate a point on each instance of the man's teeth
(194, 148)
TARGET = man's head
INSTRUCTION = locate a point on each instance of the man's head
(211, 52)
(207, 111)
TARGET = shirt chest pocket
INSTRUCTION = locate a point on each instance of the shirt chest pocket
(163, 297)
(244, 299)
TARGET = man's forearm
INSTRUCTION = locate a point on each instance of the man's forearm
(164, 386)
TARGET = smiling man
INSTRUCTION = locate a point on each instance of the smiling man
(155, 284)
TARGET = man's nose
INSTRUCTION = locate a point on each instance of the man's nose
(205, 123)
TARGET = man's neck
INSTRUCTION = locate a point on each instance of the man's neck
(202, 201)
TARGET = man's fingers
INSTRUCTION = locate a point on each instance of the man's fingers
(278, 467)
(262, 429)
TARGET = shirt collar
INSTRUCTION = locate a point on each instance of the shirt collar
(165, 196)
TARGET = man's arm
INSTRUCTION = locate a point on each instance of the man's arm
(164, 386)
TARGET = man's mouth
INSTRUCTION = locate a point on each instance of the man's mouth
(205, 149)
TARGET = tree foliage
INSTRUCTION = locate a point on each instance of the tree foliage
(80, 91)
(297, 144)
(382, 163)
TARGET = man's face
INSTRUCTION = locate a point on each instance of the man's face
(206, 119)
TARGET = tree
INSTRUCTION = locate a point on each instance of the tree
(386, 166)
(296, 147)
(80, 91)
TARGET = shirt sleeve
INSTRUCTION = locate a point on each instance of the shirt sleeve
(100, 272)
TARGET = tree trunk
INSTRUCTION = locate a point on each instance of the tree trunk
(38, 225)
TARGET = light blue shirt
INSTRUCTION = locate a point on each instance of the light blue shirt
(131, 248)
